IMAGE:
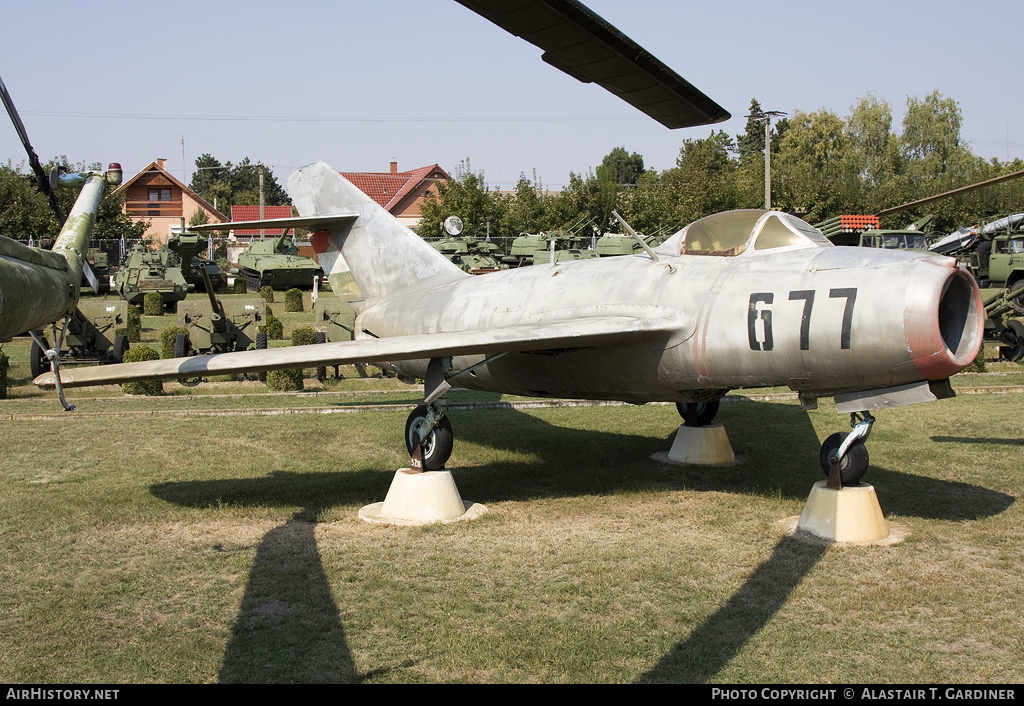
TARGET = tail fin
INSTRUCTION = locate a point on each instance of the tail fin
(371, 255)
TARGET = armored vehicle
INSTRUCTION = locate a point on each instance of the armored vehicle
(219, 326)
(91, 336)
(470, 254)
(554, 245)
(277, 263)
(144, 270)
(188, 249)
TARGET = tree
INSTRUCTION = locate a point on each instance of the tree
(704, 178)
(621, 167)
(467, 196)
(235, 185)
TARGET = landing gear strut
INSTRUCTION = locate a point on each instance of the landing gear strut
(843, 457)
(53, 355)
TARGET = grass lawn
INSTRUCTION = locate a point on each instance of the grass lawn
(178, 548)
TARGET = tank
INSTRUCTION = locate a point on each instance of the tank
(143, 270)
(276, 263)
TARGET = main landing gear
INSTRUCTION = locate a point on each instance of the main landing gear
(843, 457)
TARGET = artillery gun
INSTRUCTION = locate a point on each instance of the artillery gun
(219, 326)
(91, 336)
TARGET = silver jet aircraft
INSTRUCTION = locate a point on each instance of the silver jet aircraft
(741, 299)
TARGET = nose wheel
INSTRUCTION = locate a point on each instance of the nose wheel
(843, 457)
(429, 428)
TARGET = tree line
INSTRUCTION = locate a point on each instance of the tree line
(822, 165)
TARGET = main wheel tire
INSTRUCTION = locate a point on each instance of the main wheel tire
(38, 363)
(261, 345)
(853, 465)
(437, 447)
(320, 337)
(121, 347)
(706, 411)
(181, 345)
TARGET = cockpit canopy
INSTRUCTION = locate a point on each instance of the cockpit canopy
(730, 233)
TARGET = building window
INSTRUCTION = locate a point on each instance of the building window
(159, 194)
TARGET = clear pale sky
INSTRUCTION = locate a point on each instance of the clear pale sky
(356, 84)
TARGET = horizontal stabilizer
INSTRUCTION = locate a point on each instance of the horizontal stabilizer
(547, 335)
(307, 222)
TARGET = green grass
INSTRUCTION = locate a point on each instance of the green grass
(168, 548)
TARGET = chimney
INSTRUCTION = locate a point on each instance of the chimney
(394, 166)
(161, 163)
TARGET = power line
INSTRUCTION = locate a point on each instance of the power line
(336, 119)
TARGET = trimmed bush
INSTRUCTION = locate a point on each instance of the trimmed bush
(137, 354)
(167, 337)
(978, 365)
(303, 336)
(285, 380)
(153, 304)
(133, 326)
(267, 293)
(274, 328)
(293, 300)
(239, 286)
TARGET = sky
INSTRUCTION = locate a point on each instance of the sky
(357, 84)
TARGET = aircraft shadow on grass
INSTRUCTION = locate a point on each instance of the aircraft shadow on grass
(289, 628)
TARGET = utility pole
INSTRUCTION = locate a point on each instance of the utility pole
(768, 115)
(263, 231)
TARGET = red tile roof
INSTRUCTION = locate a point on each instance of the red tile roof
(389, 189)
(252, 213)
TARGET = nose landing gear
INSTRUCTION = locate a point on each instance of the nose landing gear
(843, 457)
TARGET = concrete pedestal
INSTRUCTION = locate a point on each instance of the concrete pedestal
(421, 499)
(849, 515)
(706, 446)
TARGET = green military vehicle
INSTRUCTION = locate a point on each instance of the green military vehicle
(143, 270)
(91, 337)
(541, 248)
(277, 263)
(188, 249)
(219, 326)
(470, 254)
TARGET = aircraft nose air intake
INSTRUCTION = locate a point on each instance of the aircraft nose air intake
(943, 320)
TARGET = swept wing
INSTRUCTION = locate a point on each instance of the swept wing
(541, 336)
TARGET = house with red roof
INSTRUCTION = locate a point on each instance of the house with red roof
(401, 193)
(154, 195)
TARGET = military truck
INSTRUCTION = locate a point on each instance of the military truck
(91, 338)
(219, 326)
(143, 270)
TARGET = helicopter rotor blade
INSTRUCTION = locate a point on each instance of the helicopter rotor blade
(42, 180)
